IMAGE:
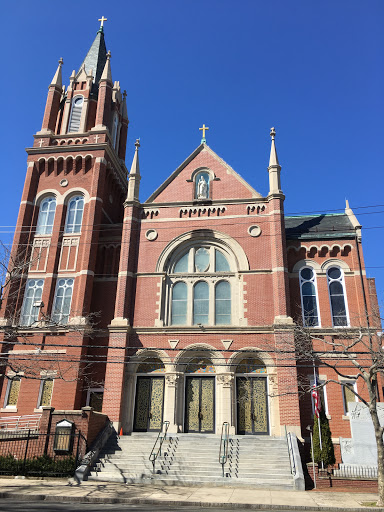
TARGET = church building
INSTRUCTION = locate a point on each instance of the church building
(179, 308)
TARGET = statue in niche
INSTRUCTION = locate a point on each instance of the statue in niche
(202, 189)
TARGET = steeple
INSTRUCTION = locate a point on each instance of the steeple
(134, 176)
(52, 105)
(274, 168)
(96, 59)
(57, 79)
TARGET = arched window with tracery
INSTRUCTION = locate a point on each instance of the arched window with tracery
(74, 218)
(46, 216)
(309, 299)
(203, 297)
(337, 297)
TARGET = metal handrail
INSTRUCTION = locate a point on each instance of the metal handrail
(224, 439)
(290, 453)
(31, 421)
(162, 436)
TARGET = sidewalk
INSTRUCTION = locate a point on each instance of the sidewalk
(105, 492)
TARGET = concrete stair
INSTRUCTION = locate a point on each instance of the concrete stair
(189, 459)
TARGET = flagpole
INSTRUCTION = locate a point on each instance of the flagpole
(318, 418)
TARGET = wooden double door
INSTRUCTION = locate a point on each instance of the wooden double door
(200, 405)
(252, 405)
(149, 404)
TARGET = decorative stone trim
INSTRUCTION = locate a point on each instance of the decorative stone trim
(151, 235)
(257, 209)
(202, 210)
(254, 231)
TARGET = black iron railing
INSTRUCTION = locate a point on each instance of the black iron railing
(156, 450)
(32, 453)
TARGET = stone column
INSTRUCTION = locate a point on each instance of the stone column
(170, 401)
(224, 402)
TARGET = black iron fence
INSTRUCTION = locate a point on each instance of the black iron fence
(32, 453)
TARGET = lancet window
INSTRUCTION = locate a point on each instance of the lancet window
(337, 297)
(309, 299)
(46, 216)
(74, 215)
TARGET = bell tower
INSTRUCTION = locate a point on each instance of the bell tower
(76, 169)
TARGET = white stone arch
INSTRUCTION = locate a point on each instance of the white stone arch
(45, 193)
(306, 263)
(76, 191)
(149, 353)
(203, 350)
(203, 169)
(222, 240)
(251, 353)
(335, 262)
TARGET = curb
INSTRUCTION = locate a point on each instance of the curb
(176, 503)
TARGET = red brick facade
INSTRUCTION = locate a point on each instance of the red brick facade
(123, 262)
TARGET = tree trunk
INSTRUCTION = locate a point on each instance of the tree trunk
(380, 453)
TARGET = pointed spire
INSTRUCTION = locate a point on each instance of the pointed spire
(96, 58)
(134, 176)
(273, 160)
(124, 111)
(135, 168)
(274, 168)
(107, 73)
(57, 79)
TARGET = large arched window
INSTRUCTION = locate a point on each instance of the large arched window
(204, 297)
(223, 303)
(46, 216)
(74, 121)
(179, 304)
(32, 301)
(74, 215)
(337, 297)
(309, 302)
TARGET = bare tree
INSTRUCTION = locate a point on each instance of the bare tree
(352, 355)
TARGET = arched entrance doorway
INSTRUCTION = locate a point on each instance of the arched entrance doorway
(252, 397)
(199, 396)
(149, 400)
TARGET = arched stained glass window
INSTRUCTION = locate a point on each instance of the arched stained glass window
(223, 303)
(179, 304)
(77, 107)
(309, 297)
(204, 300)
(74, 215)
(337, 297)
(46, 216)
(32, 299)
(201, 303)
(62, 301)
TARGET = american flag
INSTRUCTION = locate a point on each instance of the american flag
(316, 398)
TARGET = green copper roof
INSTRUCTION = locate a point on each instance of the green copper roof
(96, 59)
(318, 227)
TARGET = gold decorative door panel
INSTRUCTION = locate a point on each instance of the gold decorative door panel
(200, 404)
(149, 404)
(252, 405)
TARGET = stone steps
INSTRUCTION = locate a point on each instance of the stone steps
(194, 460)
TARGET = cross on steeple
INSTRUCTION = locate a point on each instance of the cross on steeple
(102, 19)
(203, 128)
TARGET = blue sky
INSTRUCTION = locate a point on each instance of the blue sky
(311, 69)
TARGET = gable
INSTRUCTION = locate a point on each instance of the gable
(225, 182)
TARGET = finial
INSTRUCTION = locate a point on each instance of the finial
(61, 62)
(109, 54)
(346, 204)
(102, 19)
(125, 93)
(272, 133)
(137, 144)
(204, 128)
